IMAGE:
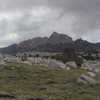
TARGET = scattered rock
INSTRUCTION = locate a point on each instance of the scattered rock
(86, 80)
(7, 95)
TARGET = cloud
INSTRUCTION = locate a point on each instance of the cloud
(26, 24)
(30, 18)
(86, 12)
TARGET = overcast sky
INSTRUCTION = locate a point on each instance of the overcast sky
(24, 19)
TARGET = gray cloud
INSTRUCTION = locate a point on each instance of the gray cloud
(23, 19)
(87, 13)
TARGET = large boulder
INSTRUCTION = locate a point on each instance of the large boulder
(85, 79)
(71, 64)
(55, 63)
(7, 95)
(91, 74)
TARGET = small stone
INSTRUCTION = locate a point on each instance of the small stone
(68, 68)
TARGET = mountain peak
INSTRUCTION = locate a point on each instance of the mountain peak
(59, 38)
(54, 34)
(80, 40)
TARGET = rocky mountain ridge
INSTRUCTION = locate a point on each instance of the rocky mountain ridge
(55, 43)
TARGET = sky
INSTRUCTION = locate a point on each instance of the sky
(24, 19)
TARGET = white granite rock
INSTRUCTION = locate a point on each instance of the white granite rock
(71, 64)
(91, 74)
(55, 63)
